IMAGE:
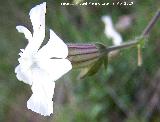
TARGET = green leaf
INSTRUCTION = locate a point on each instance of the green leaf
(105, 61)
(92, 69)
(142, 41)
(102, 49)
(95, 66)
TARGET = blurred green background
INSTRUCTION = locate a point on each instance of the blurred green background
(122, 93)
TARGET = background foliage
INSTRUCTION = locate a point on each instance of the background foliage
(122, 93)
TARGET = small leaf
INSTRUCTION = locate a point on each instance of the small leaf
(105, 61)
(142, 41)
(92, 69)
(83, 72)
(102, 49)
(95, 67)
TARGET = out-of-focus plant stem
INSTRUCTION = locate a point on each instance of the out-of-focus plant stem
(151, 23)
(144, 33)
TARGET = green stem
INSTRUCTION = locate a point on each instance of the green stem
(124, 45)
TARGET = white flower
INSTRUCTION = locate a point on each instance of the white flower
(110, 32)
(40, 67)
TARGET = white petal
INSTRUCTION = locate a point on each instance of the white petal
(54, 48)
(26, 32)
(44, 73)
(37, 16)
(19, 74)
(26, 76)
(110, 31)
(43, 90)
(117, 39)
(107, 21)
(55, 67)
